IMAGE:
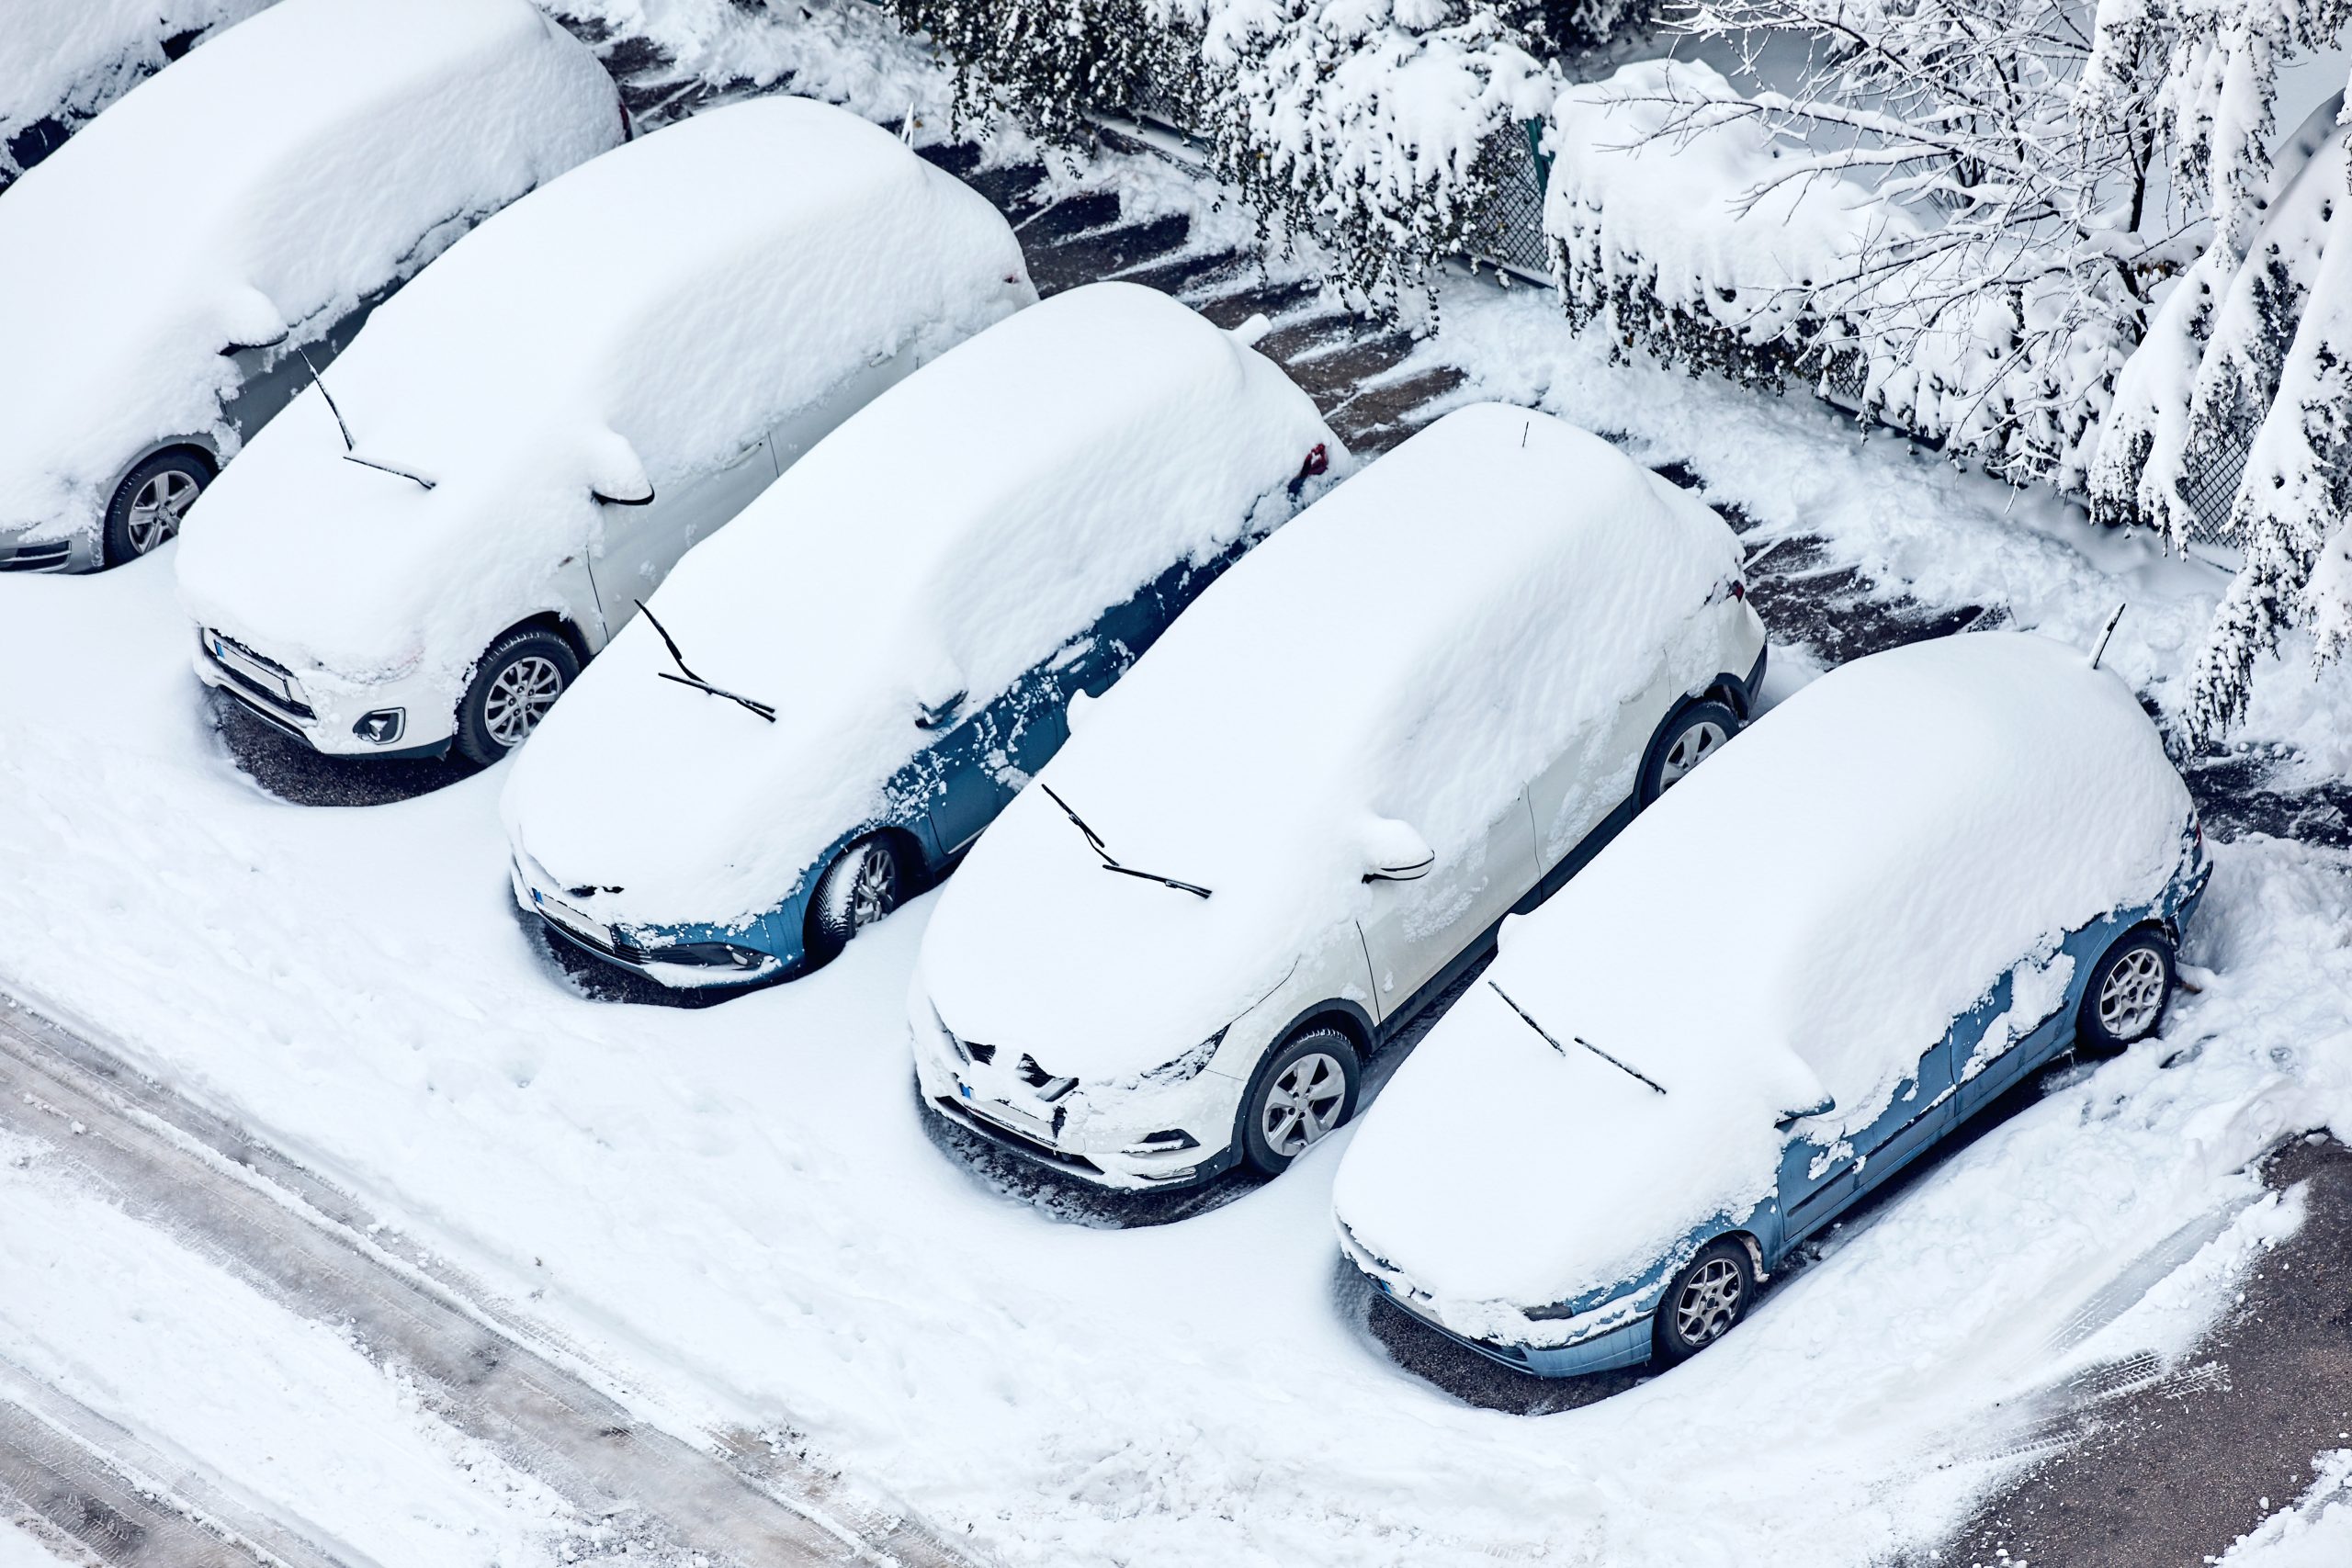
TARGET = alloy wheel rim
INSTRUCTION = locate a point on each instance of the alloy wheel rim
(2132, 994)
(873, 889)
(1709, 1302)
(156, 510)
(1690, 748)
(1304, 1103)
(520, 697)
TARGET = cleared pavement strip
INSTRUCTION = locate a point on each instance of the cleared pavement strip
(304, 1244)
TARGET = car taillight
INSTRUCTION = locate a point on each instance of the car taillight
(1318, 461)
(1739, 589)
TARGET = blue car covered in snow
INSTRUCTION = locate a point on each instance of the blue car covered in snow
(829, 700)
(1972, 855)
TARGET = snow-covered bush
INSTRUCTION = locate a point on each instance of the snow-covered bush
(1370, 127)
(1928, 218)
(1053, 63)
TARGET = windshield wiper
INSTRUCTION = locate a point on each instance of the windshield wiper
(1580, 1040)
(1110, 862)
(350, 447)
(686, 677)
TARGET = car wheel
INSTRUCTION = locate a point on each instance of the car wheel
(2130, 987)
(514, 686)
(1301, 1093)
(150, 504)
(1704, 1301)
(1695, 732)
(860, 887)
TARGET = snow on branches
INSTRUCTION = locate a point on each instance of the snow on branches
(1925, 219)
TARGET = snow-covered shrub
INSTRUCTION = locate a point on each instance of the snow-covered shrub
(1369, 127)
(1053, 63)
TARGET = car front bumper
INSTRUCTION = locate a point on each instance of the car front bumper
(25, 550)
(327, 721)
(628, 950)
(1096, 1142)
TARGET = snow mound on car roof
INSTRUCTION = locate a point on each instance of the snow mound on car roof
(679, 297)
(950, 536)
(1414, 648)
(1804, 914)
(273, 177)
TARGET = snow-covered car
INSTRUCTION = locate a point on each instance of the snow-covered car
(423, 552)
(831, 698)
(163, 275)
(61, 63)
(1912, 883)
(1424, 703)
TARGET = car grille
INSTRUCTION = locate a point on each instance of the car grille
(262, 677)
(979, 1120)
(47, 556)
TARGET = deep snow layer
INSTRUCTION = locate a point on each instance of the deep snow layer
(741, 1206)
(69, 61)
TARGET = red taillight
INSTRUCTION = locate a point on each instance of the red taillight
(1739, 589)
(1317, 462)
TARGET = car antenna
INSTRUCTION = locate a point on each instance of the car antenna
(1630, 1072)
(2099, 652)
(686, 677)
(350, 447)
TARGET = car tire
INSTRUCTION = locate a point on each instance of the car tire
(2128, 990)
(514, 686)
(152, 501)
(1691, 734)
(863, 885)
(1704, 1301)
(1306, 1088)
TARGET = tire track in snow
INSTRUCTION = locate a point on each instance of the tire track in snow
(734, 1498)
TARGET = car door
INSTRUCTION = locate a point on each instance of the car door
(1415, 929)
(640, 544)
(2017, 1026)
(1833, 1158)
(798, 432)
(1589, 782)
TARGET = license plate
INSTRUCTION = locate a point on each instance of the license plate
(563, 914)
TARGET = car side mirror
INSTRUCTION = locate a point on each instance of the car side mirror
(932, 715)
(1394, 851)
(251, 320)
(1079, 702)
(616, 474)
(1788, 1119)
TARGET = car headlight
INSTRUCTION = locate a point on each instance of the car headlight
(1187, 1067)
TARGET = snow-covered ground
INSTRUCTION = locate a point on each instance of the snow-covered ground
(741, 1207)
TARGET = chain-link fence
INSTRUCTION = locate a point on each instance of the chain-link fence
(1507, 232)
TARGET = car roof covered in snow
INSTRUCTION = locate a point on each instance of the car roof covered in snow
(1803, 915)
(1412, 649)
(953, 534)
(665, 304)
(272, 179)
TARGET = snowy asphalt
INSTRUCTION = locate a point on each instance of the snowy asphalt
(638, 1491)
(2134, 1468)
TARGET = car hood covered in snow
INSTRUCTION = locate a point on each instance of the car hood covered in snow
(660, 305)
(1410, 650)
(1804, 915)
(948, 537)
(298, 162)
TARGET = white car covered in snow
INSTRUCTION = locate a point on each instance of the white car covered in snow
(514, 453)
(827, 701)
(163, 274)
(1913, 882)
(1424, 703)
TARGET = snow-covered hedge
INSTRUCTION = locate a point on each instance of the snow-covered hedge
(1368, 124)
